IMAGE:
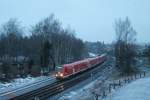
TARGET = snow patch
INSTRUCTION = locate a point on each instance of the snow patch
(92, 54)
(19, 82)
(137, 90)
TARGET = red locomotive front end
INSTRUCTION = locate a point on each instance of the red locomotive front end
(66, 71)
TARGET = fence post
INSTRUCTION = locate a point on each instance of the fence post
(114, 86)
(128, 79)
(144, 74)
(119, 83)
(125, 80)
(135, 75)
(104, 94)
(92, 76)
(109, 88)
(95, 95)
(132, 77)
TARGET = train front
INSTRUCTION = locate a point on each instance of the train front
(59, 75)
(63, 73)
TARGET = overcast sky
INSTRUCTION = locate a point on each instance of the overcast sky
(93, 20)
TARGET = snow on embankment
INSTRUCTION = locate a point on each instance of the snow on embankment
(80, 94)
(20, 82)
(137, 90)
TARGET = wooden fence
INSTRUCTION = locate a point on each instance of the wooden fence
(104, 92)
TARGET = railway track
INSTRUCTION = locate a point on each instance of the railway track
(18, 91)
(74, 82)
(59, 86)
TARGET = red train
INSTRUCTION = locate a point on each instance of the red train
(79, 66)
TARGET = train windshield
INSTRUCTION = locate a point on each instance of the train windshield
(59, 67)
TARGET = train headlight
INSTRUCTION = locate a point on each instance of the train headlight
(56, 75)
(61, 75)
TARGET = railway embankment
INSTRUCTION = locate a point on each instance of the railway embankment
(109, 88)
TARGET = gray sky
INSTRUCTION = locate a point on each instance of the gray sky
(91, 19)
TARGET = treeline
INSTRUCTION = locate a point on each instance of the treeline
(96, 47)
(62, 45)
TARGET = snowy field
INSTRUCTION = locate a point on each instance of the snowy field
(137, 90)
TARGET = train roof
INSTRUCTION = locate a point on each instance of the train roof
(85, 60)
(77, 62)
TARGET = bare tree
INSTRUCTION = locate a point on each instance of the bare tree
(65, 46)
(125, 45)
(11, 34)
(10, 41)
(45, 57)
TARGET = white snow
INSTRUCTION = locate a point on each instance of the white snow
(19, 82)
(79, 93)
(85, 93)
(20, 86)
(92, 54)
(137, 90)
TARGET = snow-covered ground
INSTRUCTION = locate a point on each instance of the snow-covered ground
(79, 94)
(85, 92)
(136, 90)
(20, 82)
(17, 82)
(91, 54)
(23, 85)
